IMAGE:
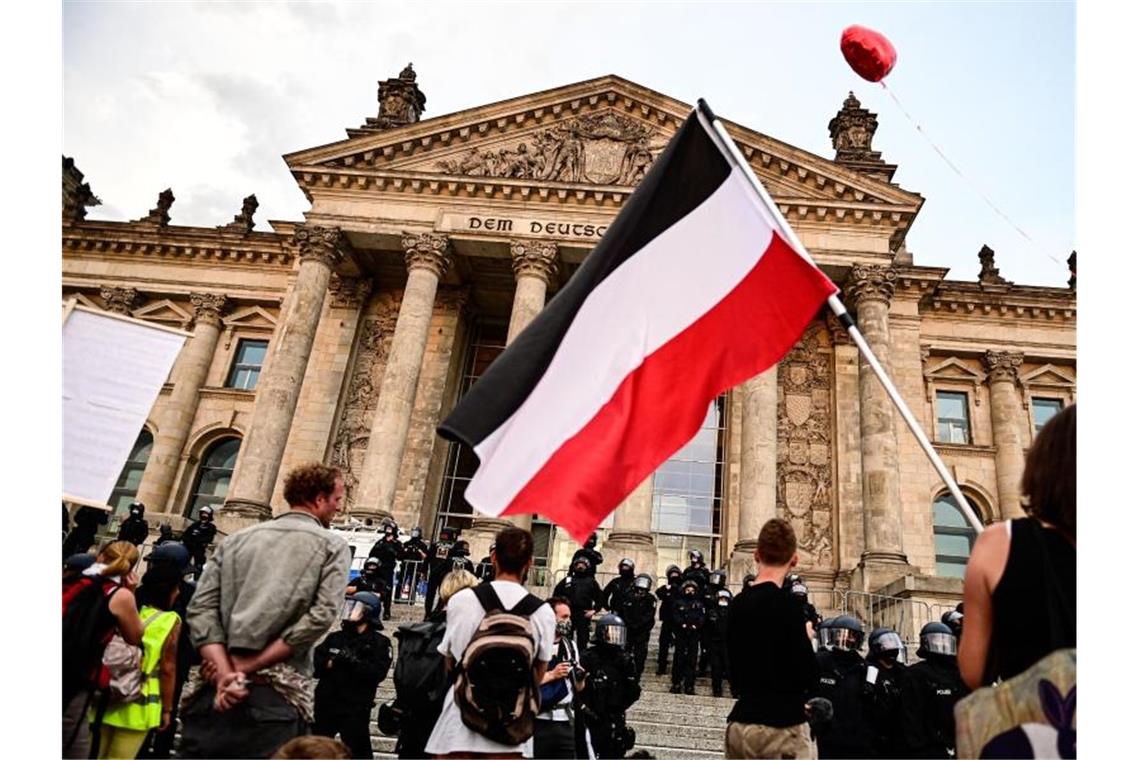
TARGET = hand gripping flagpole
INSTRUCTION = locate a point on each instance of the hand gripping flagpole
(728, 147)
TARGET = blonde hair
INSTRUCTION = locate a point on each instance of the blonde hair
(118, 557)
(312, 746)
(454, 582)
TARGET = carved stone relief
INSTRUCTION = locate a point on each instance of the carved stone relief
(804, 491)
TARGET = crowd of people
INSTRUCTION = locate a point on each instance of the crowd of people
(246, 653)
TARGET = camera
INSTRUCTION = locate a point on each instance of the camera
(579, 674)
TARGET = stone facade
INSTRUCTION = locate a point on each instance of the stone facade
(422, 230)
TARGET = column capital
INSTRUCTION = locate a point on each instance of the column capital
(349, 292)
(535, 258)
(871, 283)
(1002, 365)
(427, 250)
(119, 300)
(453, 299)
(322, 244)
(208, 307)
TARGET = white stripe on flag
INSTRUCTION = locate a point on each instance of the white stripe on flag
(643, 304)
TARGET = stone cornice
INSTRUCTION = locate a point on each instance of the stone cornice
(1021, 301)
(189, 243)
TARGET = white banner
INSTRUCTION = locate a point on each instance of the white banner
(113, 370)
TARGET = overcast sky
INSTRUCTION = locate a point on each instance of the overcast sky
(205, 98)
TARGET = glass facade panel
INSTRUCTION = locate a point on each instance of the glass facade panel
(953, 417)
(214, 473)
(128, 484)
(953, 537)
(248, 359)
(1043, 411)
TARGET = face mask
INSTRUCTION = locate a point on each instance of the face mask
(564, 628)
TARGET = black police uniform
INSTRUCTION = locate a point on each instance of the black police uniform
(369, 580)
(932, 688)
(485, 570)
(196, 538)
(453, 560)
(887, 708)
(637, 610)
(350, 666)
(134, 529)
(412, 555)
(165, 535)
(616, 591)
(849, 734)
(585, 595)
(689, 619)
(438, 554)
(666, 593)
(715, 642)
(87, 522)
(387, 550)
(611, 688)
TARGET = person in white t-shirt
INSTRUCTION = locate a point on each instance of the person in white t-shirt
(511, 558)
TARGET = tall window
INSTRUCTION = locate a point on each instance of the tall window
(953, 538)
(128, 484)
(953, 417)
(213, 479)
(247, 364)
(1043, 411)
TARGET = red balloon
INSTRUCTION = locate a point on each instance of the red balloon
(869, 53)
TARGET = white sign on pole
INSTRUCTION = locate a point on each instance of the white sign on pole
(113, 370)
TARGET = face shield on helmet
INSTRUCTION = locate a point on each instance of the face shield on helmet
(205, 514)
(885, 643)
(937, 638)
(642, 583)
(580, 567)
(844, 633)
(716, 579)
(361, 607)
(610, 630)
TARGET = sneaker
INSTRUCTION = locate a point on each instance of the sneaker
(675, 689)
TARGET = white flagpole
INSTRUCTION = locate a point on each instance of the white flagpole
(728, 146)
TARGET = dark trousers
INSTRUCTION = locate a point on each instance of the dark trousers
(351, 724)
(389, 574)
(606, 737)
(685, 659)
(638, 649)
(429, 597)
(718, 657)
(255, 727)
(554, 738)
(581, 632)
(664, 641)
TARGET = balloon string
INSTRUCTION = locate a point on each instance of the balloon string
(966, 179)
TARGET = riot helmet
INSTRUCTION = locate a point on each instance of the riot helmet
(673, 574)
(723, 597)
(371, 565)
(799, 591)
(610, 630)
(824, 635)
(749, 579)
(580, 567)
(643, 582)
(136, 509)
(937, 639)
(885, 643)
(625, 567)
(690, 588)
(953, 620)
(592, 541)
(361, 607)
(716, 579)
(447, 534)
(417, 532)
(844, 632)
(461, 549)
(171, 552)
(696, 559)
(206, 513)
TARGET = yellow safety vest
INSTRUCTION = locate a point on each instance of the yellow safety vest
(146, 712)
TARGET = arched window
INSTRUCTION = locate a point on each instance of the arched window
(213, 479)
(128, 484)
(953, 537)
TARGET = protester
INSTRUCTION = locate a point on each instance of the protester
(88, 520)
(307, 747)
(134, 529)
(843, 675)
(771, 666)
(198, 537)
(611, 689)
(1021, 579)
(512, 558)
(932, 688)
(74, 566)
(667, 593)
(637, 610)
(555, 722)
(616, 591)
(585, 596)
(266, 597)
(95, 607)
(125, 725)
(590, 553)
(387, 550)
(350, 664)
(420, 700)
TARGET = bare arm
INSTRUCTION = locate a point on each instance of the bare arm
(130, 625)
(987, 562)
(167, 673)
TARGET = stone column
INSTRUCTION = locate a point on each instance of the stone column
(871, 289)
(632, 534)
(1005, 417)
(427, 258)
(119, 300)
(757, 468)
(178, 410)
(319, 249)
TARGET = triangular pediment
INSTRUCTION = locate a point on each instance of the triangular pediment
(954, 369)
(594, 136)
(83, 300)
(1048, 376)
(251, 317)
(164, 312)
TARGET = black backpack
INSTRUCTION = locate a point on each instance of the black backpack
(87, 627)
(421, 675)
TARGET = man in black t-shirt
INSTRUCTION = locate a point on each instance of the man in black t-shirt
(771, 666)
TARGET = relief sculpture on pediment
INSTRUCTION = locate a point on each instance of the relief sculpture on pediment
(600, 149)
(804, 444)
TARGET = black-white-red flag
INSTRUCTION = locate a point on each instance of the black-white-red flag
(691, 291)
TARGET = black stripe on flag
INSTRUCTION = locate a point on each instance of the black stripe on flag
(685, 174)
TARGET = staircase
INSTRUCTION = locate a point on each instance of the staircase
(668, 726)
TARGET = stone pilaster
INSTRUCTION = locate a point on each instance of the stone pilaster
(632, 534)
(758, 441)
(1005, 415)
(178, 410)
(320, 249)
(427, 258)
(119, 300)
(871, 289)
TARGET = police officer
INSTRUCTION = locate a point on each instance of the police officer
(799, 591)
(387, 550)
(87, 522)
(842, 674)
(585, 597)
(457, 558)
(689, 619)
(932, 688)
(637, 608)
(199, 536)
(717, 579)
(749, 579)
(134, 529)
(165, 535)
(954, 620)
(438, 554)
(886, 678)
(716, 639)
(696, 571)
(592, 555)
(370, 579)
(666, 594)
(350, 664)
(617, 589)
(412, 555)
(485, 570)
(611, 688)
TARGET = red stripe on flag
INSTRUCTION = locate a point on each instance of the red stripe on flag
(660, 406)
